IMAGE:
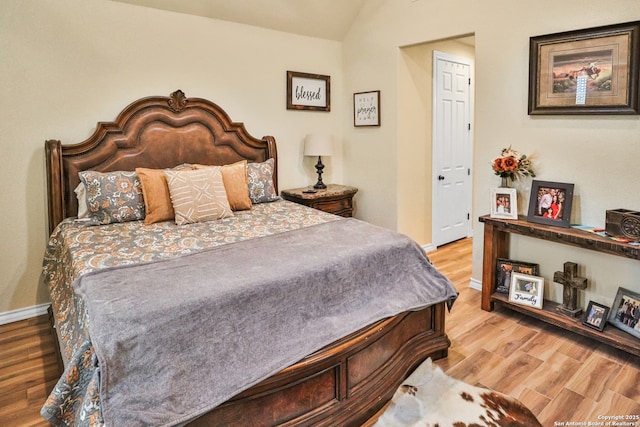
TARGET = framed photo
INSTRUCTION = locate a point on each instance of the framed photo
(504, 203)
(596, 316)
(590, 71)
(625, 313)
(308, 91)
(504, 269)
(526, 290)
(550, 203)
(366, 108)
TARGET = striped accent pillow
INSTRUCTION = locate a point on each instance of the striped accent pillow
(198, 195)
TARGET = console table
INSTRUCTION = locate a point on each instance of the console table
(496, 245)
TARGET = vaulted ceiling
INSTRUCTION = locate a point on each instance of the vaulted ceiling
(328, 19)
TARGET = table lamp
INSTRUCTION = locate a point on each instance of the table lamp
(318, 145)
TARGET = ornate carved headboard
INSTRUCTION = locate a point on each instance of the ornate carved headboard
(154, 132)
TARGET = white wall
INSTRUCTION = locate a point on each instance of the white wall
(596, 153)
(67, 64)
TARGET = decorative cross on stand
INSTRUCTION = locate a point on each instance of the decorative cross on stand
(571, 283)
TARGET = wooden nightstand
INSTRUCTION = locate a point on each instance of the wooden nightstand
(335, 199)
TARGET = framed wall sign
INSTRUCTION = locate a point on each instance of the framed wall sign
(366, 108)
(308, 91)
(590, 71)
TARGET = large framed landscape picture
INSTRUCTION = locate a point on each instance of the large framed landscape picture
(590, 71)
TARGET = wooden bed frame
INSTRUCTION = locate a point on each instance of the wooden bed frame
(346, 382)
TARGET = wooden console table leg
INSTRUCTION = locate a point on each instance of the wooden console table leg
(496, 245)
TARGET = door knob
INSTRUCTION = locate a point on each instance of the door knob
(440, 178)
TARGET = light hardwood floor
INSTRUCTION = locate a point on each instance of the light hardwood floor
(560, 376)
(28, 371)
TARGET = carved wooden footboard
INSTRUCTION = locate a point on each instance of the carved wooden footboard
(345, 383)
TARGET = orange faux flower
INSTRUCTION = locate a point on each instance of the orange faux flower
(512, 164)
(509, 163)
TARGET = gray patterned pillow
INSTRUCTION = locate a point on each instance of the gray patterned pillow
(261, 188)
(113, 196)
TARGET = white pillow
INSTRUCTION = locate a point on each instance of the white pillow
(81, 195)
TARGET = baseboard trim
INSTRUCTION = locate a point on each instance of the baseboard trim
(23, 313)
(428, 247)
(475, 284)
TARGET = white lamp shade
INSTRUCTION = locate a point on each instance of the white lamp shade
(318, 145)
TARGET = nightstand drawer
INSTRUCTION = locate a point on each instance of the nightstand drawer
(339, 207)
(335, 199)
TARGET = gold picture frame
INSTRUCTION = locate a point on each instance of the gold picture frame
(590, 71)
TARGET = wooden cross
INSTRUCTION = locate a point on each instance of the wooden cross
(571, 283)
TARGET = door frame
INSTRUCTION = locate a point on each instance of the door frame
(438, 55)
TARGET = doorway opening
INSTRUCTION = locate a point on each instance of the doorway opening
(452, 148)
(417, 171)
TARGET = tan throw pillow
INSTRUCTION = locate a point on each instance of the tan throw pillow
(198, 195)
(236, 183)
(157, 200)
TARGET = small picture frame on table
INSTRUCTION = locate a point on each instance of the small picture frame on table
(527, 290)
(504, 269)
(595, 316)
(504, 203)
(625, 312)
(550, 203)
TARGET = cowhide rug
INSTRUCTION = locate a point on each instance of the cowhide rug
(429, 398)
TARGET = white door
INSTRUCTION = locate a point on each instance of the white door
(452, 148)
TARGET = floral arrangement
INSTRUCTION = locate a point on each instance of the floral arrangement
(512, 164)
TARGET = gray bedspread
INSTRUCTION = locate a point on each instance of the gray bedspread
(175, 338)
